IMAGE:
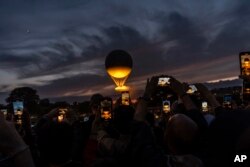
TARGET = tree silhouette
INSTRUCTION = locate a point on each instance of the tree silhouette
(45, 102)
(26, 94)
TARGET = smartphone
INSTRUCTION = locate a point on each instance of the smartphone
(62, 111)
(166, 106)
(157, 115)
(157, 111)
(204, 106)
(18, 107)
(163, 81)
(245, 63)
(61, 114)
(4, 111)
(192, 89)
(60, 118)
(227, 98)
(86, 119)
(106, 110)
(227, 101)
(125, 98)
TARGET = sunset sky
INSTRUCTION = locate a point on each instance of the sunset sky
(58, 47)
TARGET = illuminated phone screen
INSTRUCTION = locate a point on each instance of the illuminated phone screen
(227, 98)
(192, 89)
(166, 106)
(106, 110)
(4, 111)
(60, 118)
(245, 63)
(163, 81)
(18, 107)
(125, 98)
(204, 106)
(227, 101)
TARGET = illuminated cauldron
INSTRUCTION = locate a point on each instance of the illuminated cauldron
(119, 64)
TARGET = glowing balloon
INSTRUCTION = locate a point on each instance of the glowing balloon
(119, 64)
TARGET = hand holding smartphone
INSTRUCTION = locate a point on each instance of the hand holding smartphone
(227, 101)
(18, 107)
(192, 89)
(166, 106)
(164, 81)
(60, 118)
(106, 110)
(61, 114)
(204, 106)
(4, 111)
(125, 98)
(18, 111)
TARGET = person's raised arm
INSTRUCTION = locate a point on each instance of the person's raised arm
(141, 109)
(47, 117)
(97, 124)
(13, 146)
(181, 92)
(192, 111)
(205, 93)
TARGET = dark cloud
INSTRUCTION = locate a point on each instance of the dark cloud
(78, 83)
(189, 40)
(234, 35)
(242, 10)
(59, 47)
(123, 37)
(62, 55)
(7, 60)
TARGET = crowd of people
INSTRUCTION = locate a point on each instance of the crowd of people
(134, 134)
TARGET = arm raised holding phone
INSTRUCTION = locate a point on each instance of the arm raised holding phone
(141, 109)
(13, 146)
(192, 111)
(180, 90)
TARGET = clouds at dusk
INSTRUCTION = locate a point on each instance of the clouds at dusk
(59, 47)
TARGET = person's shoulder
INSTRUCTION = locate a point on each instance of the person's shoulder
(184, 161)
(138, 125)
(73, 164)
(141, 129)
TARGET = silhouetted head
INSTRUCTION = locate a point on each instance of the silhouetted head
(178, 108)
(95, 102)
(55, 142)
(229, 135)
(180, 134)
(123, 116)
(243, 143)
(197, 102)
(209, 118)
(150, 119)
